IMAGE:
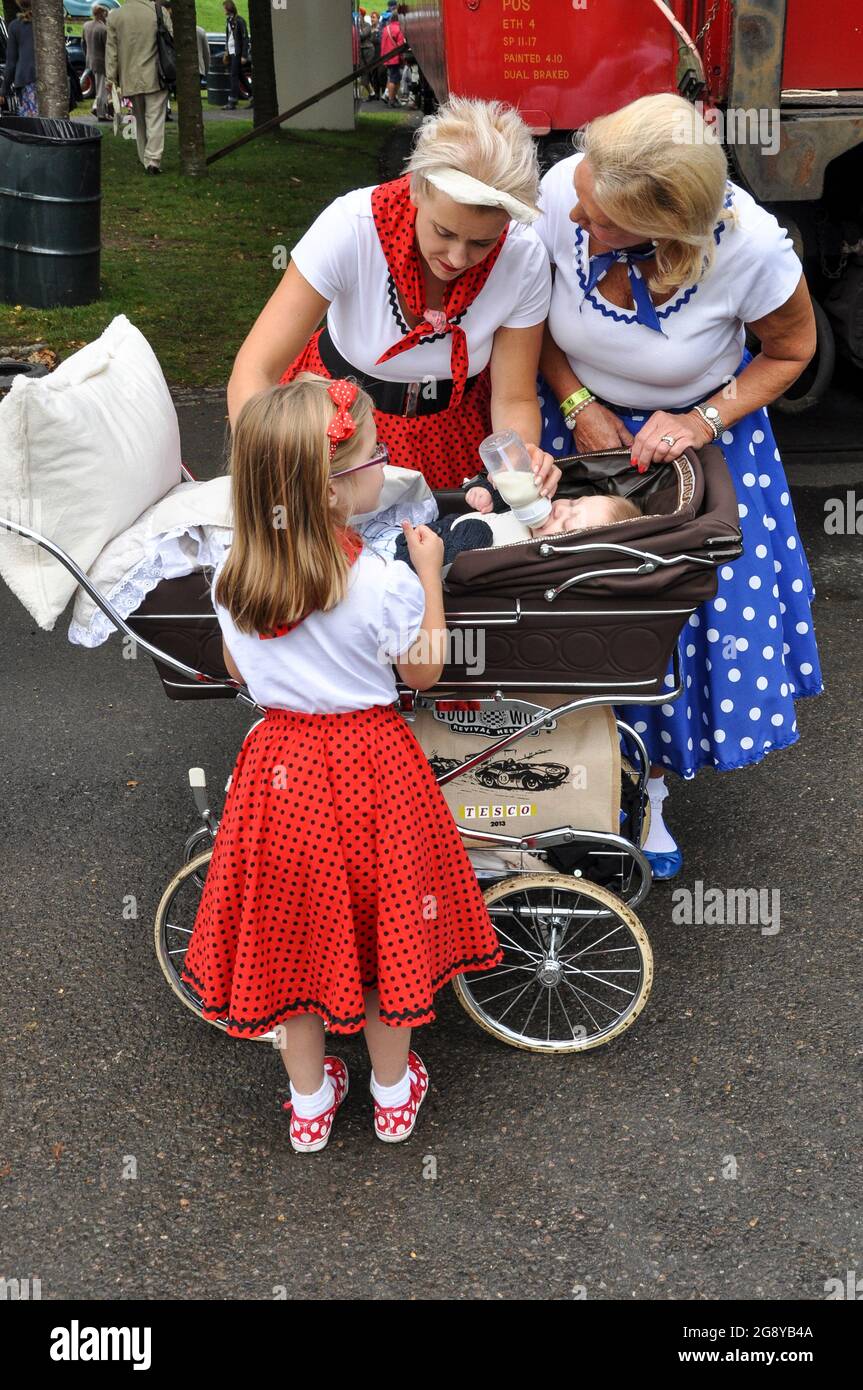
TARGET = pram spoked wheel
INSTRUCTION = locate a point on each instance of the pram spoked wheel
(175, 918)
(577, 965)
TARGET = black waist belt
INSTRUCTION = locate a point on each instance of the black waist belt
(408, 398)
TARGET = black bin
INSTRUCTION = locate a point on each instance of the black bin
(50, 206)
(218, 83)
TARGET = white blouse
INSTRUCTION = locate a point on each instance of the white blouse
(342, 258)
(341, 660)
(755, 270)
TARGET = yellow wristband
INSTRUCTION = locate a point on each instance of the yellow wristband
(583, 395)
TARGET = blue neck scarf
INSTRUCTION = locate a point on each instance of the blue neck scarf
(599, 266)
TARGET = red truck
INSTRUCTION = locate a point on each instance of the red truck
(782, 79)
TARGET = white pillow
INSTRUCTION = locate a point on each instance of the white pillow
(83, 452)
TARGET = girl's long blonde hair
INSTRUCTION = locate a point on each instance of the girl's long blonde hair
(286, 560)
(659, 172)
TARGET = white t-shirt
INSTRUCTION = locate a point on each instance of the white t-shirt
(755, 270)
(342, 258)
(341, 660)
(231, 48)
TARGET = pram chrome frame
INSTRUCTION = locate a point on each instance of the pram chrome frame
(411, 701)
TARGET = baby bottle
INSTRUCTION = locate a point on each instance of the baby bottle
(508, 465)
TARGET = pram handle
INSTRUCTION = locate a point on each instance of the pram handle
(655, 560)
(650, 563)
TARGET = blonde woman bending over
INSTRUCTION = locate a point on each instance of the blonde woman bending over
(435, 289)
(661, 263)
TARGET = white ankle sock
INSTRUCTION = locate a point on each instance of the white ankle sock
(398, 1094)
(309, 1107)
(659, 839)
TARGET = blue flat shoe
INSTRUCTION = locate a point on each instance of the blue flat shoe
(664, 866)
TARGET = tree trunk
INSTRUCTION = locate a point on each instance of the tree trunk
(263, 66)
(193, 160)
(49, 42)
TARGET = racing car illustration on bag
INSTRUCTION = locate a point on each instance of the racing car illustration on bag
(510, 773)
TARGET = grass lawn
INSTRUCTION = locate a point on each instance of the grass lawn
(191, 261)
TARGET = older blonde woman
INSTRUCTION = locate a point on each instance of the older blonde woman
(660, 264)
(435, 289)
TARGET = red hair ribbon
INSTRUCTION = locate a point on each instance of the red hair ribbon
(343, 424)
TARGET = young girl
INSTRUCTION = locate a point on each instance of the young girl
(339, 893)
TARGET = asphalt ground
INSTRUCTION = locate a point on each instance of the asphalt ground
(711, 1153)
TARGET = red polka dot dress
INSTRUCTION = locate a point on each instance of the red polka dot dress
(337, 866)
(361, 256)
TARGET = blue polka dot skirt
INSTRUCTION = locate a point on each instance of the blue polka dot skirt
(750, 652)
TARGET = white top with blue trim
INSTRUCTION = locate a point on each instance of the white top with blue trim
(755, 270)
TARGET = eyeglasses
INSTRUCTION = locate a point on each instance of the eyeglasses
(380, 456)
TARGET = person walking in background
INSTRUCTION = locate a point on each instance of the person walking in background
(204, 55)
(130, 63)
(95, 37)
(19, 75)
(407, 70)
(172, 89)
(367, 55)
(391, 38)
(236, 52)
(378, 79)
(355, 51)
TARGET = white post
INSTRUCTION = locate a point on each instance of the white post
(312, 48)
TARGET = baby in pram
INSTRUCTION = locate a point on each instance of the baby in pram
(567, 514)
(490, 523)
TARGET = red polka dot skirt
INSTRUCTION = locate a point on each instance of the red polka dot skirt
(337, 867)
(443, 447)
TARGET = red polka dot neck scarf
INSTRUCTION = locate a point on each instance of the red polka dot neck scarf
(395, 219)
(351, 543)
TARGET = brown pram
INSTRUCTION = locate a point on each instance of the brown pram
(564, 628)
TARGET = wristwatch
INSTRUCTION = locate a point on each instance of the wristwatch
(710, 415)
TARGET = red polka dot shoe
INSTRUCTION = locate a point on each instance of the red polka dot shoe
(396, 1122)
(308, 1136)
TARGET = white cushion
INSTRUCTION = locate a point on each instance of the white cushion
(189, 529)
(83, 452)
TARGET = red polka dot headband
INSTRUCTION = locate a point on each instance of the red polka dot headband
(343, 425)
